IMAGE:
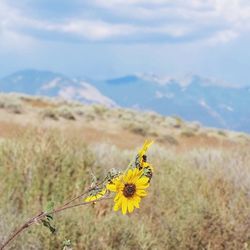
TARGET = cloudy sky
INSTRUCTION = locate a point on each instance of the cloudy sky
(104, 38)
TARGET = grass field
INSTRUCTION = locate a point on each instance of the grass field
(199, 197)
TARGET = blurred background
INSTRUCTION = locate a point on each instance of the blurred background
(83, 83)
(186, 59)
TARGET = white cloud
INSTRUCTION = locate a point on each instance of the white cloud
(225, 19)
(94, 30)
(10, 37)
(222, 37)
(215, 21)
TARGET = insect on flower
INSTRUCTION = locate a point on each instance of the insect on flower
(130, 187)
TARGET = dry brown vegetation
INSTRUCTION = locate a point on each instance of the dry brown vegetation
(121, 127)
(199, 197)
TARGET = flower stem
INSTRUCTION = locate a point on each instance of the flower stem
(19, 230)
(41, 215)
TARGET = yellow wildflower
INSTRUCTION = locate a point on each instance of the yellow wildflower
(96, 195)
(130, 188)
(141, 158)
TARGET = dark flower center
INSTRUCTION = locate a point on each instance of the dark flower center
(129, 190)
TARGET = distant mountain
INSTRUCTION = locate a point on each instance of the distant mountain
(193, 98)
(52, 84)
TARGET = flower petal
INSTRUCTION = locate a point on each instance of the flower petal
(87, 199)
(142, 181)
(130, 206)
(117, 197)
(111, 187)
(136, 175)
(137, 201)
(141, 193)
(129, 174)
(124, 205)
(140, 187)
(145, 147)
(118, 204)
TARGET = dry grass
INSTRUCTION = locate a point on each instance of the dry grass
(60, 114)
(38, 102)
(198, 200)
(11, 104)
(199, 196)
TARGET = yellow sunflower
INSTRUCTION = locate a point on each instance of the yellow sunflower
(95, 195)
(130, 188)
(141, 156)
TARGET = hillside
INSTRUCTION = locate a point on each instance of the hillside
(97, 123)
(194, 98)
(50, 149)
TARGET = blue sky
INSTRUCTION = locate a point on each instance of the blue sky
(105, 38)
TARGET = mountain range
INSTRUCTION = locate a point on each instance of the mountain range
(193, 98)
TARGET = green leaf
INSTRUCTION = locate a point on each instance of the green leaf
(49, 217)
(47, 224)
(50, 207)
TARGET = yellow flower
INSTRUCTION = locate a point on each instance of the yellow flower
(145, 147)
(130, 188)
(96, 195)
(141, 156)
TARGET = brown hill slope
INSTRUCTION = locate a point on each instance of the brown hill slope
(121, 127)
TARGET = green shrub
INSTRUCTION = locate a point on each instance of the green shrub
(178, 122)
(222, 133)
(65, 113)
(136, 128)
(99, 110)
(168, 139)
(11, 104)
(49, 113)
(187, 133)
